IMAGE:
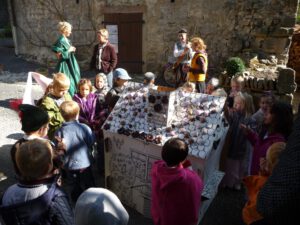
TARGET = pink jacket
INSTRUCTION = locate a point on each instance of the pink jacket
(260, 147)
(176, 195)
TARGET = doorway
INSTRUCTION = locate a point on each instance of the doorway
(126, 34)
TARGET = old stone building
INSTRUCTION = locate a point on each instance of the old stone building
(146, 30)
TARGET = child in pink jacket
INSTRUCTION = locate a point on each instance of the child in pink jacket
(278, 122)
(176, 190)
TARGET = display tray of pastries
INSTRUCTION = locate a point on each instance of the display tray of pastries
(143, 114)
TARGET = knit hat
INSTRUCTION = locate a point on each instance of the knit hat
(121, 74)
(32, 117)
(97, 206)
(149, 76)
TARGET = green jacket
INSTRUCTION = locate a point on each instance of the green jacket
(56, 119)
(67, 63)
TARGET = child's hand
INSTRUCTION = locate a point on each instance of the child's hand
(263, 167)
(61, 146)
(246, 130)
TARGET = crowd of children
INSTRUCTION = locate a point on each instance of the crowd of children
(53, 161)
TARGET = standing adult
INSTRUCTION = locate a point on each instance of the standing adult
(183, 54)
(104, 58)
(65, 53)
(198, 67)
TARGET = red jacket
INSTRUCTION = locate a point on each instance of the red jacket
(108, 58)
(176, 195)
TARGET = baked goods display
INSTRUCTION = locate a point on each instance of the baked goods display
(153, 116)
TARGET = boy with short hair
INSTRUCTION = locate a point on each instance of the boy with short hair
(51, 101)
(149, 79)
(34, 124)
(78, 138)
(36, 198)
(121, 78)
(176, 190)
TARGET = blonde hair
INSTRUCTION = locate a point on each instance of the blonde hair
(247, 101)
(63, 26)
(273, 153)
(188, 85)
(69, 110)
(103, 76)
(34, 159)
(103, 32)
(60, 80)
(198, 43)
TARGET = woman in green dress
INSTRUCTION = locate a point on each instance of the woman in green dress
(64, 50)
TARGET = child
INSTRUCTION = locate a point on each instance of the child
(101, 87)
(149, 79)
(36, 198)
(238, 149)
(176, 190)
(34, 124)
(236, 85)
(278, 122)
(266, 100)
(212, 88)
(121, 78)
(88, 103)
(199, 64)
(51, 102)
(79, 139)
(188, 87)
(256, 182)
(97, 205)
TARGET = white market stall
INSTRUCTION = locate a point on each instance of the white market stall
(142, 120)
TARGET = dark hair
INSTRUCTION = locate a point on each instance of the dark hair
(282, 118)
(174, 151)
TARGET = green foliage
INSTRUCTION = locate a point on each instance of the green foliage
(234, 65)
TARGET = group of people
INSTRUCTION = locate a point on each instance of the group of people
(53, 160)
(254, 144)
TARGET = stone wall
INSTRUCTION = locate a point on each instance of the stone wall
(229, 27)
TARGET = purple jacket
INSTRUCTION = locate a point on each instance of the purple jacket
(260, 147)
(176, 195)
(88, 108)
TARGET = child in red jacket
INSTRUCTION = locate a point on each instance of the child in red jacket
(176, 190)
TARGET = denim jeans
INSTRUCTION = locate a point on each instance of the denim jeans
(109, 77)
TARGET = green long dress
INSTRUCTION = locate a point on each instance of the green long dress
(67, 63)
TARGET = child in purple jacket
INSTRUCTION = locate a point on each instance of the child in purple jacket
(278, 121)
(176, 190)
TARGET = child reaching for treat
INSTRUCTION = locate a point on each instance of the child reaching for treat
(239, 148)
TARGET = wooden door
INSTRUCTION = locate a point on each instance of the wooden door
(129, 42)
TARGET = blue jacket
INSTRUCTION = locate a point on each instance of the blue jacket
(79, 140)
